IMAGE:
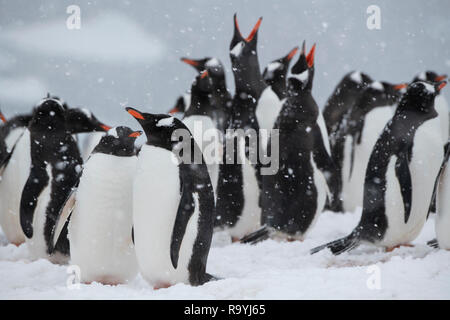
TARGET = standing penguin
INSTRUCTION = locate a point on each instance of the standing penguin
(400, 175)
(365, 123)
(101, 223)
(440, 103)
(295, 195)
(442, 222)
(275, 74)
(344, 96)
(173, 205)
(255, 107)
(220, 98)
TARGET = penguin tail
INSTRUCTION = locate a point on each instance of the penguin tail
(341, 245)
(433, 243)
(257, 236)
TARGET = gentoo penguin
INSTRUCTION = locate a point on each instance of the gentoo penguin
(440, 103)
(275, 74)
(344, 96)
(336, 111)
(442, 221)
(400, 175)
(101, 223)
(182, 104)
(220, 98)
(295, 195)
(200, 121)
(173, 205)
(365, 123)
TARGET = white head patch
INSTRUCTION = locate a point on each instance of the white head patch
(377, 85)
(87, 112)
(166, 122)
(302, 77)
(113, 132)
(429, 87)
(356, 77)
(237, 49)
(271, 67)
(212, 63)
(422, 76)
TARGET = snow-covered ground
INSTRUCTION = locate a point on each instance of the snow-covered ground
(269, 270)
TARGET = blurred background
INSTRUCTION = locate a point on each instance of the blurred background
(127, 52)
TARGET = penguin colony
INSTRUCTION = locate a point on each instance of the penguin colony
(117, 210)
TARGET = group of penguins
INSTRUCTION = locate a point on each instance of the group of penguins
(116, 209)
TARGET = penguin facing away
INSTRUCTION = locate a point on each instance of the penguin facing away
(275, 74)
(295, 195)
(400, 175)
(101, 210)
(365, 123)
(173, 206)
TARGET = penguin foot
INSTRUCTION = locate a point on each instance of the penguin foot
(162, 286)
(235, 239)
(390, 249)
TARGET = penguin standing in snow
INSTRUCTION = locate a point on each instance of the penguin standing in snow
(101, 223)
(173, 205)
(254, 108)
(400, 175)
(295, 195)
(344, 96)
(365, 123)
(54, 163)
(275, 74)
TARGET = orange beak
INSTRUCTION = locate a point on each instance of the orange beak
(442, 85)
(292, 54)
(254, 31)
(190, 62)
(105, 127)
(2, 117)
(135, 114)
(135, 134)
(173, 111)
(400, 86)
(204, 74)
(440, 78)
(310, 56)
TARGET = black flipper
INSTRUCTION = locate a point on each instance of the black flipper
(438, 178)
(404, 177)
(433, 243)
(185, 211)
(257, 236)
(341, 245)
(132, 234)
(36, 183)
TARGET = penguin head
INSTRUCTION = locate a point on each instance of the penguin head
(302, 73)
(243, 50)
(213, 65)
(48, 115)
(80, 120)
(356, 81)
(118, 141)
(277, 69)
(202, 84)
(385, 89)
(180, 106)
(158, 128)
(429, 76)
(420, 94)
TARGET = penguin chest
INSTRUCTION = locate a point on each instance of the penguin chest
(13, 137)
(323, 131)
(267, 110)
(426, 159)
(209, 140)
(101, 225)
(443, 115)
(88, 142)
(12, 183)
(156, 199)
(359, 154)
(443, 211)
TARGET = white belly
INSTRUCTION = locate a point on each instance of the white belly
(345, 172)
(156, 198)
(88, 143)
(13, 137)
(209, 140)
(353, 186)
(323, 131)
(267, 110)
(250, 218)
(426, 160)
(11, 186)
(100, 226)
(442, 110)
(443, 210)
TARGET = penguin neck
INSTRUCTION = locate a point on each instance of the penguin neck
(200, 104)
(279, 87)
(248, 78)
